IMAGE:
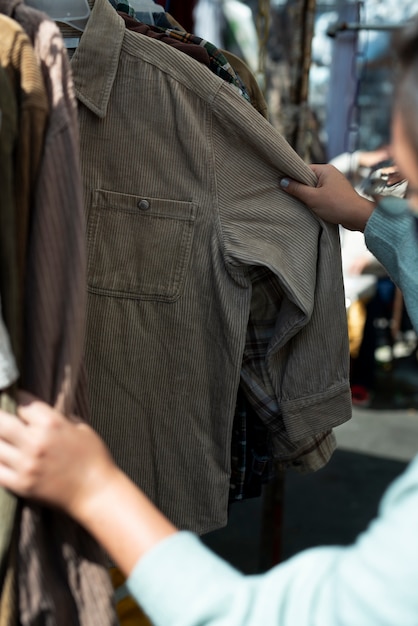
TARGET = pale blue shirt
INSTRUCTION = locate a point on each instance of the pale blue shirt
(373, 582)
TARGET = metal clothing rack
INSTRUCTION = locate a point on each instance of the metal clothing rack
(341, 27)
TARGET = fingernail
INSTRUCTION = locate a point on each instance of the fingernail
(284, 182)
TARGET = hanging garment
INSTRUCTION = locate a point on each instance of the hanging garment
(61, 577)
(253, 88)
(244, 72)
(196, 47)
(58, 289)
(9, 291)
(20, 63)
(183, 12)
(182, 200)
(8, 376)
(8, 368)
(252, 450)
(22, 131)
(8, 252)
(245, 453)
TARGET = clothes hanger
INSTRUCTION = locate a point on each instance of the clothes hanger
(144, 10)
(146, 5)
(71, 15)
(74, 13)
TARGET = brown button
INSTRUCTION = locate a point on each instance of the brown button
(143, 205)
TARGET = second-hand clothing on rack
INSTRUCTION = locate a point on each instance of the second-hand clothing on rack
(203, 277)
(181, 190)
(252, 464)
(53, 570)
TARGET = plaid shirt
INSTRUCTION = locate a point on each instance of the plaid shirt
(257, 456)
(218, 62)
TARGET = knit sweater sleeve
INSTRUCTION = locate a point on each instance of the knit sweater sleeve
(370, 583)
(391, 235)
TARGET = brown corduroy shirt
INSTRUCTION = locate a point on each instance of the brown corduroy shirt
(182, 198)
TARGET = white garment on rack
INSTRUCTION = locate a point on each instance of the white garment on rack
(8, 369)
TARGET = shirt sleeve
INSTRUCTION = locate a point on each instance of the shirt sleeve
(306, 357)
(391, 235)
(370, 583)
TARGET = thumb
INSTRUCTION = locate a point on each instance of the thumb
(32, 410)
(299, 190)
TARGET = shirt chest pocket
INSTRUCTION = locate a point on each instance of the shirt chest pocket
(138, 247)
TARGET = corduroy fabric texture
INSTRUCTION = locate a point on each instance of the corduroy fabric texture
(182, 198)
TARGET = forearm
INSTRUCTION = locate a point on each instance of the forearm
(123, 520)
(372, 582)
(359, 216)
(343, 206)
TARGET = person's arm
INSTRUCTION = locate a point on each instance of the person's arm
(179, 581)
(369, 583)
(333, 199)
(392, 237)
(65, 464)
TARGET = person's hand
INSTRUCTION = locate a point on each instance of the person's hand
(64, 463)
(360, 265)
(333, 199)
(369, 158)
(46, 457)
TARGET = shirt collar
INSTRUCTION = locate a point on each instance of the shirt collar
(95, 61)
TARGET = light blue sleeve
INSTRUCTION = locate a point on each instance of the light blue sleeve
(374, 582)
(391, 235)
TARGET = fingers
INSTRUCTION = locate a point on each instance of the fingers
(306, 193)
(9, 455)
(10, 452)
(33, 411)
(26, 432)
(20, 470)
(9, 480)
(299, 190)
(319, 169)
(11, 429)
(333, 200)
